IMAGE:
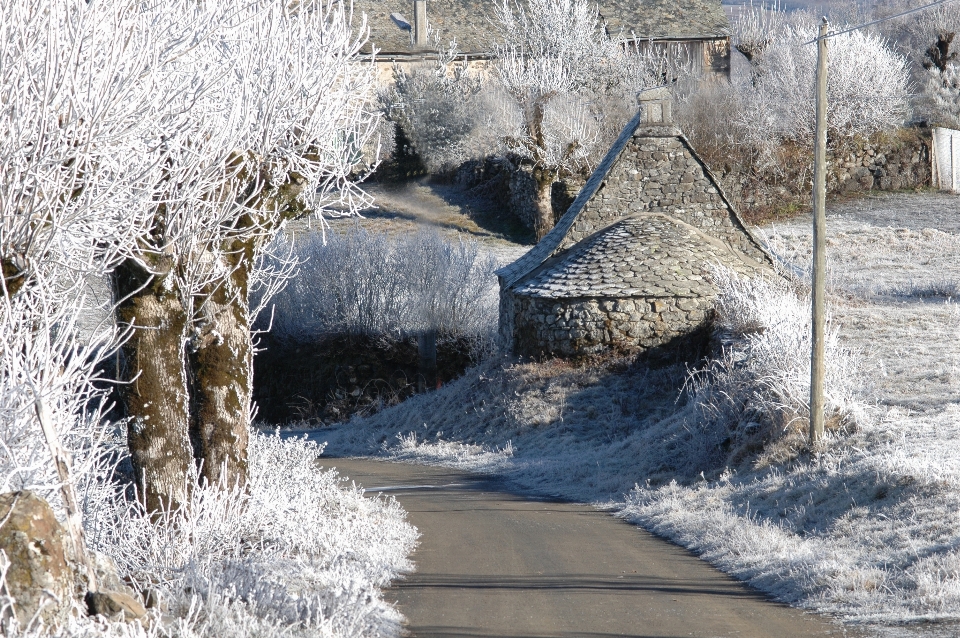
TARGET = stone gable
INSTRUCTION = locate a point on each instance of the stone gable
(658, 171)
(628, 265)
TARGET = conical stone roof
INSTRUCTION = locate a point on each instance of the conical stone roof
(645, 255)
(649, 169)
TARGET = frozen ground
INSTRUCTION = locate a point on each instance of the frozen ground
(867, 528)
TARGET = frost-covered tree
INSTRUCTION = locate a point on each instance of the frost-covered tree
(755, 26)
(275, 128)
(71, 205)
(930, 35)
(165, 143)
(867, 89)
(72, 179)
(942, 93)
(558, 65)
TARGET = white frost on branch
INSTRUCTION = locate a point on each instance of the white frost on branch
(143, 131)
(867, 86)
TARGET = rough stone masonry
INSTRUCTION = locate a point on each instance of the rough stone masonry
(628, 265)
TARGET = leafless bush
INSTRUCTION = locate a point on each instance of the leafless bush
(867, 87)
(920, 35)
(707, 115)
(758, 388)
(373, 284)
(437, 104)
(755, 27)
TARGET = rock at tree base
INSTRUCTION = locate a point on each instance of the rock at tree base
(115, 605)
(39, 577)
(114, 599)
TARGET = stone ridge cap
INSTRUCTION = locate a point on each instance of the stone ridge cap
(586, 243)
(772, 263)
(540, 253)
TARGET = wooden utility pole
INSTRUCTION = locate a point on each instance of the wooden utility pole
(819, 249)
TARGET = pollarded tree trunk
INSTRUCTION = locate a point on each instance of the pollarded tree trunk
(545, 220)
(543, 174)
(156, 394)
(222, 379)
(222, 354)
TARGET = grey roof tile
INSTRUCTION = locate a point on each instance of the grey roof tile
(645, 237)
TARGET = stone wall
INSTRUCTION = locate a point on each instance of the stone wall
(574, 327)
(510, 183)
(659, 172)
(886, 162)
(881, 165)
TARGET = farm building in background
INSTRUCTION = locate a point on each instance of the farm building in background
(405, 31)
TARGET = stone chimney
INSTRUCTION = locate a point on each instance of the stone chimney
(419, 24)
(656, 107)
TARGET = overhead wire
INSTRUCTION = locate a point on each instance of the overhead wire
(873, 22)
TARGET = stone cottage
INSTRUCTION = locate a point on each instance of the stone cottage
(628, 265)
(402, 31)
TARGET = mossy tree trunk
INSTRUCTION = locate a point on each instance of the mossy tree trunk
(221, 360)
(155, 394)
(545, 218)
(222, 377)
(190, 376)
(543, 174)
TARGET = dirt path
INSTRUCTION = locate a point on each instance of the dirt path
(491, 563)
(424, 203)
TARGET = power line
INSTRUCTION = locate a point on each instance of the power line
(893, 17)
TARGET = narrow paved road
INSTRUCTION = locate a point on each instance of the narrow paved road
(491, 563)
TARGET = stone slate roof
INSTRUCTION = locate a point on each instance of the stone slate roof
(646, 255)
(668, 19)
(511, 273)
(468, 21)
(553, 241)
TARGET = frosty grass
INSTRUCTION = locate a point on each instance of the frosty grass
(867, 528)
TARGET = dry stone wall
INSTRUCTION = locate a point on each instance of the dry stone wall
(572, 327)
(887, 163)
(881, 166)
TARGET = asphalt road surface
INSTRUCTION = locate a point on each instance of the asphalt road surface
(491, 563)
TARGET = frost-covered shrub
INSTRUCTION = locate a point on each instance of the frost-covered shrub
(867, 86)
(927, 37)
(374, 284)
(295, 553)
(758, 388)
(438, 106)
(760, 125)
(941, 94)
(299, 548)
